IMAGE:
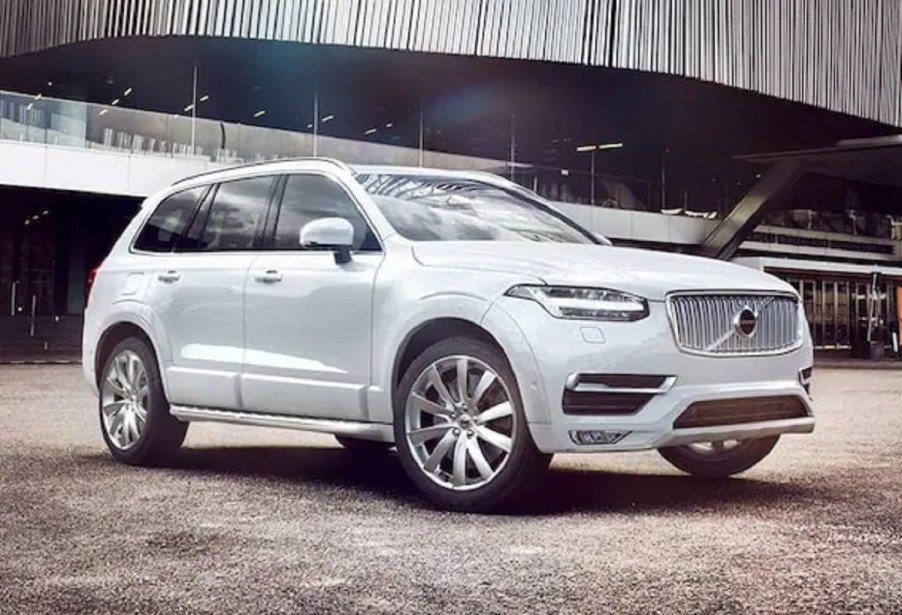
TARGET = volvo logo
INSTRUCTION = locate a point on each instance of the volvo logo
(745, 322)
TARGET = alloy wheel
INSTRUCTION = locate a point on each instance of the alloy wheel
(460, 422)
(124, 400)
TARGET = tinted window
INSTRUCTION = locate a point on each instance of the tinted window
(310, 197)
(168, 222)
(236, 215)
(425, 208)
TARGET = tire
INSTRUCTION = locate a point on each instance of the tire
(367, 448)
(145, 433)
(719, 462)
(489, 478)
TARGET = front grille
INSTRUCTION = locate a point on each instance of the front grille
(717, 412)
(713, 324)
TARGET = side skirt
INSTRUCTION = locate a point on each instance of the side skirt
(366, 431)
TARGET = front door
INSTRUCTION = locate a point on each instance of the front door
(308, 319)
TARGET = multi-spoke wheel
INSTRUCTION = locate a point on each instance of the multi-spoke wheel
(460, 427)
(134, 413)
(719, 459)
(123, 400)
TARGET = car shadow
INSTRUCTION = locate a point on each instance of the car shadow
(559, 491)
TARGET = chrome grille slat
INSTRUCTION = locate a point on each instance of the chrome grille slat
(700, 320)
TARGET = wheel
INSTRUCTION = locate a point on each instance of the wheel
(363, 447)
(134, 412)
(719, 459)
(460, 429)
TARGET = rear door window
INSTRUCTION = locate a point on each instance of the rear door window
(235, 218)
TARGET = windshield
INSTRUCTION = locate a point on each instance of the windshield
(423, 208)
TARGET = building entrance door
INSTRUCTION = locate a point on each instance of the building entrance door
(27, 279)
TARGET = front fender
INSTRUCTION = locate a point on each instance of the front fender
(521, 357)
(388, 344)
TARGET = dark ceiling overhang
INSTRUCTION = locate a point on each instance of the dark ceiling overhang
(870, 161)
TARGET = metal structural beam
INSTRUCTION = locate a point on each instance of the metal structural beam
(842, 55)
(765, 196)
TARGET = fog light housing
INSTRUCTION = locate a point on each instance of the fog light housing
(589, 437)
(805, 380)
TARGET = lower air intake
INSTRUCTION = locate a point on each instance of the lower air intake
(718, 412)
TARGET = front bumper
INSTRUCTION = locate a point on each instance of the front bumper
(557, 349)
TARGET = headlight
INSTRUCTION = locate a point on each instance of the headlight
(585, 303)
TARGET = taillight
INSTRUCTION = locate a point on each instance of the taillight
(90, 282)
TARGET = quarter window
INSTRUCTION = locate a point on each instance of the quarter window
(167, 223)
(311, 197)
(236, 215)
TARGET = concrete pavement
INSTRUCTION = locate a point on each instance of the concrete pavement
(259, 520)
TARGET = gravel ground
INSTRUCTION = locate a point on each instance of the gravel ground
(258, 520)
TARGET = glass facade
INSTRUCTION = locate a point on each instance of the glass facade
(848, 312)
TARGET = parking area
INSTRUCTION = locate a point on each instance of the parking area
(262, 520)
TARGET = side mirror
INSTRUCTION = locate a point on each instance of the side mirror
(335, 234)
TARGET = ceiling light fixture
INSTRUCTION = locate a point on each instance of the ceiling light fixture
(260, 113)
(205, 98)
(189, 108)
(369, 132)
(328, 118)
(127, 92)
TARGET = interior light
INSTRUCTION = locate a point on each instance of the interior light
(49, 84)
(309, 126)
(103, 112)
(369, 132)
(328, 118)
(127, 92)
(189, 108)
(39, 96)
(260, 113)
(205, 98)
(115, 102)
(29, 107)
(389, 125)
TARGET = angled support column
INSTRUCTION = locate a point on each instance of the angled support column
(765, 196)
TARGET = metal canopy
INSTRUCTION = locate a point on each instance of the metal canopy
(872, 161)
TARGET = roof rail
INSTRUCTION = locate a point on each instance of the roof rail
(249, 165)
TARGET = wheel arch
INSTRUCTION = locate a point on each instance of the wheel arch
(114, 334)
(428, 333)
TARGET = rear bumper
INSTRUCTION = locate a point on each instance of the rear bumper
(89, 339)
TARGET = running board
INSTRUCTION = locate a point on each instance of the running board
(367, 431)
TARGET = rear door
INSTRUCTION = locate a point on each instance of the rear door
(197, 295)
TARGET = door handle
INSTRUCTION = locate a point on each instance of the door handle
(269, 277)
(169, 277)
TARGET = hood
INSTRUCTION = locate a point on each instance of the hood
(646, 273)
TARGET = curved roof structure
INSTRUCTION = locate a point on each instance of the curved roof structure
(841, 55)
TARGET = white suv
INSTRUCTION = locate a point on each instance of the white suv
(455, 316)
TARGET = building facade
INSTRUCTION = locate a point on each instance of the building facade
(628, 114)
